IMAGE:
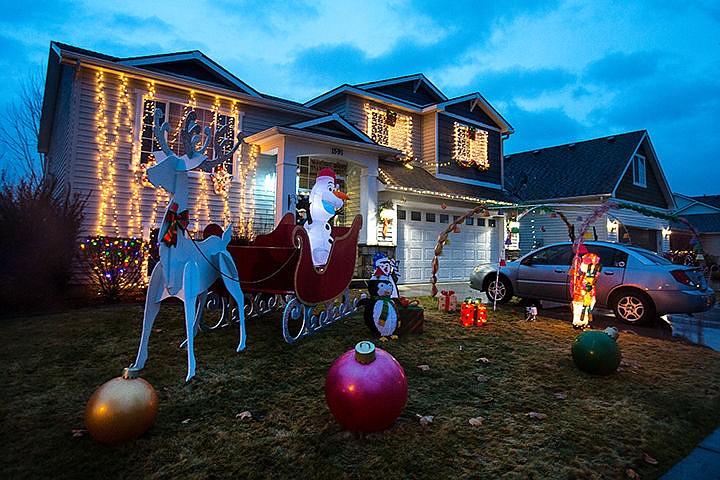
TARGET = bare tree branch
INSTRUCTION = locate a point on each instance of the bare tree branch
(19, 133)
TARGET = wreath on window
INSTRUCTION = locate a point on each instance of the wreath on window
(385, 213)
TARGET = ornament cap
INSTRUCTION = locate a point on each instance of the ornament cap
(365, 352)
(129, 373)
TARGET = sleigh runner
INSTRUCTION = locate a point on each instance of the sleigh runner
(277, 272)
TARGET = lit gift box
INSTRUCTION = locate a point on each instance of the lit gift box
(467, 312)
(447, 301)
(480, 313)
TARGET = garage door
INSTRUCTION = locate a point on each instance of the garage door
(417, 235)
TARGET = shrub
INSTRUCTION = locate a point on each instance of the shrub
(114, 265)
(38, 232)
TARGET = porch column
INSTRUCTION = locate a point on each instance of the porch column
(368, 206)
(286, 169)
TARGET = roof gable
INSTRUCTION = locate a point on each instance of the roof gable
(335, 126)
(591, 167)
(192, 65)
(475, 107)
(415, 89)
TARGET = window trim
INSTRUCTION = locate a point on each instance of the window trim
(639, 170)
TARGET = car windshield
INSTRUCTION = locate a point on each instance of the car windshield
(650, 257)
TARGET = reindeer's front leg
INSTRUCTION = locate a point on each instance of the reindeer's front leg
(152, 306)
(191, 288)
(232, 283)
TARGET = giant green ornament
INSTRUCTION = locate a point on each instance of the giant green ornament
(596, 352)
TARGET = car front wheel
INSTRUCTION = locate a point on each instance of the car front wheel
(633, 307)
(499, 291)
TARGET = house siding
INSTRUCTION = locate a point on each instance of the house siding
(448, 166)
(429, 142)
(115, 179)
(650, 195)
(62, 139)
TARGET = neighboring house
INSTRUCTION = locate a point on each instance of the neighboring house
(96, 131)
(703, 213)
(576, 178)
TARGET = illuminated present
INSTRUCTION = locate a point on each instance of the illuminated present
(480, 314)
(467, 313)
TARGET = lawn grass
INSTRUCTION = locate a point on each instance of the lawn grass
(664, 399)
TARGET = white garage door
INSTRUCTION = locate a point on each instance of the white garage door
(417, 235)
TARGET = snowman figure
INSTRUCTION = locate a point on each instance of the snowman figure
(325, 201)
(380, 314)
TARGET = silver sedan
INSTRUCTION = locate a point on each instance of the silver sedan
(637, 284)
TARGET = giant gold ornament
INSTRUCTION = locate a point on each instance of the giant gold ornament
(121, 409)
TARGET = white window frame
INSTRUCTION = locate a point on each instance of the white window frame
(639, 170)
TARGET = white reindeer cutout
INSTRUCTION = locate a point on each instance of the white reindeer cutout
(187, 268)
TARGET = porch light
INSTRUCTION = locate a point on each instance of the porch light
(666, 232)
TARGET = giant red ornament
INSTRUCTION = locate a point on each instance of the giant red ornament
(121, 409)
(366, 389)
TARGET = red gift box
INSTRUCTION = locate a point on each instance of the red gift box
(473, 313)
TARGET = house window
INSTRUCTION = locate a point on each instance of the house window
(469, 221)
(429, 217)
(390, 128)
(481, 222)
(401, 214)
(444, 218)
(308, 168)
(415, 216)
(470, 146)
(638, 166)
(223, 127)
(491, 222)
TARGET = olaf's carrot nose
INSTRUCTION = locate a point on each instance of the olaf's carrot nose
(340, 194)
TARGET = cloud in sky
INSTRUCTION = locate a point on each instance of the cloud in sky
(558, 71)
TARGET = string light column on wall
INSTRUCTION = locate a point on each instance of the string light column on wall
(470, 146)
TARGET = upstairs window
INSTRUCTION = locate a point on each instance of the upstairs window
(174, 114)
(390, 128)
(470, 146)
(638, 166)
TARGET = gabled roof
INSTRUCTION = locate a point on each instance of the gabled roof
(702, 222)
(419, 83)
(589, 168)
(712, 200)
(478, 101)
(419, 181)
(333, 125)
(193, 65)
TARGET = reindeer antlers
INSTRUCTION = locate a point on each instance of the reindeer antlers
(190, 136)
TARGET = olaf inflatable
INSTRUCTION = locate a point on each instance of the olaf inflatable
(325, 200)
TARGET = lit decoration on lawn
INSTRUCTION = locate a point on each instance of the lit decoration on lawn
(187, 268)
(390, 128)
(447, 301)
(380, 310)
(473, 312)
(366, 389)
(470, 146)
(114, 264)
(584, 273)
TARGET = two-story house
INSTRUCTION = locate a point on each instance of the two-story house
(410, 159)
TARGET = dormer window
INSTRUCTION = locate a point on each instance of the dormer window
(390, 128)
(638, 166)
(470, 146)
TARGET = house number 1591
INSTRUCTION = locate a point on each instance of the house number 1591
(337, 151)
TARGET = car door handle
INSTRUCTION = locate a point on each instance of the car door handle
(559, 270)
(609, 274)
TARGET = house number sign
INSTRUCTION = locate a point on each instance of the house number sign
(337, 151)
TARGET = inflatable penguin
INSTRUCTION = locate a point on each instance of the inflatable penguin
(386, 269)
(325, 200)
(380, 315)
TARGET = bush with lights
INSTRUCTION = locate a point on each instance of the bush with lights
(114, 264)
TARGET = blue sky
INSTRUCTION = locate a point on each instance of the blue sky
(558, 71)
